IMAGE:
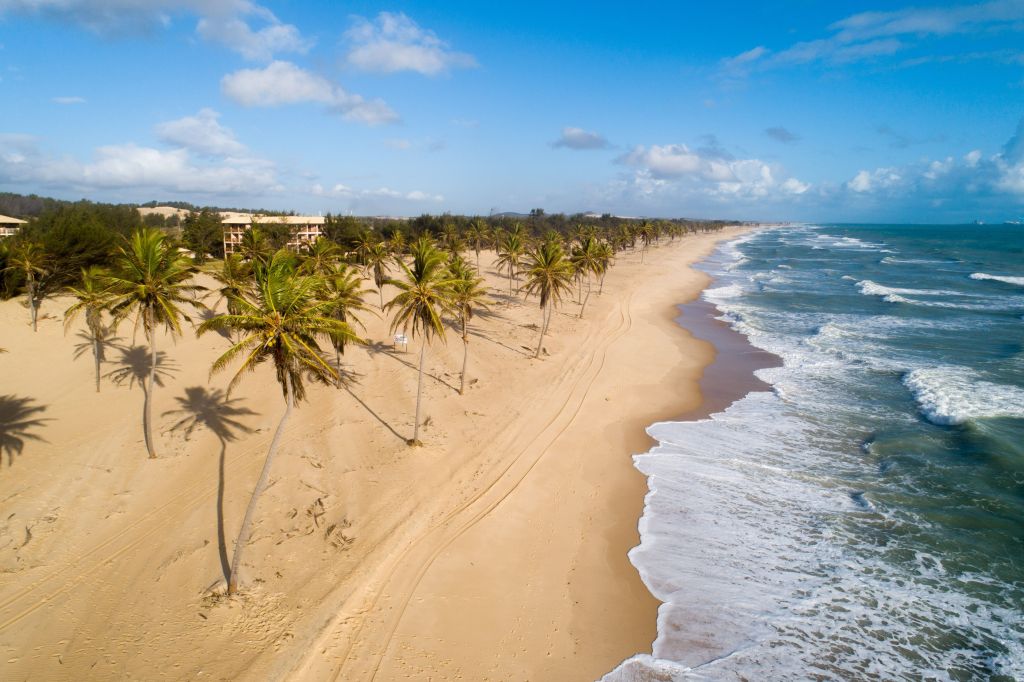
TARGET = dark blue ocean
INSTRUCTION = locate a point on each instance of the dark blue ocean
(865, 518)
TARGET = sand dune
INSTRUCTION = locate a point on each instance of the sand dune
(496, 551)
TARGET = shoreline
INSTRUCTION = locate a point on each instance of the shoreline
(528, 476)
(541, 586)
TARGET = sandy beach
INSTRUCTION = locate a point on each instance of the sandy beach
(495, 551)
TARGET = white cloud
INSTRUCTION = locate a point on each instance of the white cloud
(394, 42)
(377, 199)
(281, 83)
(677, 169)
(970, 179)
(261, 44)
(872, 36)
(201, 133)
(577, 138)
(68, 100)
(222, 21)
(133, 167)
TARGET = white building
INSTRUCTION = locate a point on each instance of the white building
(9, 226)
(304, 229)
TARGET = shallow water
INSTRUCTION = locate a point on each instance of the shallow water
(863, 519)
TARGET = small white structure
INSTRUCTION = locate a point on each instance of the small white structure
(9, 226)
(402, 339)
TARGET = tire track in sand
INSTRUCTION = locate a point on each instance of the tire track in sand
(408, 568)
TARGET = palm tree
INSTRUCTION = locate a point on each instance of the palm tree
(376, 258)
(548, 274)
(468, 293)
(396, 245)
(605, 255)
(510, 254)
(320, 256)
(342, 289)
(234, 277)
(476, 233)
(93, 299)
(586, 261)
(647, 234)
(32, 261)
(151, 279)
(281, 321)
(255, 245)
(424, 294)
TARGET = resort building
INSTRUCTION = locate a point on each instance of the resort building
(9, 226)
(303, 229)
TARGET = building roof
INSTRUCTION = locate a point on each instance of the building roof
(230, 218)
(7, 220)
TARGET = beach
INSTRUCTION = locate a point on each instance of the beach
(498, 550)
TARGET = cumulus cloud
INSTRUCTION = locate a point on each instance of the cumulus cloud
(201, 133)
(393, 42)
(68, 100)
(260, 44)
(577, 138)
(223, 21)
(281, 83)
(675, 168)
(973, 180)
(132, 167)
(871, 36)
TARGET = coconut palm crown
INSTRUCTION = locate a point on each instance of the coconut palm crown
(548, 274)
(151, 280)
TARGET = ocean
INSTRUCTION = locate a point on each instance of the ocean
(863, 519)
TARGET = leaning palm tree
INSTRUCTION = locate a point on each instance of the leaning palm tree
(549, 275)
(281, 321)
(510, 254)
(151, 280)
(32, 261)
(468, 293)
(343, 290)
(92, 299)
(424, 295)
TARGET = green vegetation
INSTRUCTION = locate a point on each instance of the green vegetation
(288, 309)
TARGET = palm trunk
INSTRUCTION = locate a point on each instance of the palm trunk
(510, 281)
(147, 417)
(465, 356)
(243, 533)
(380, 290)
(222, 542)
(419, 395)
(584, 306)
(478, 259)
(96, 357)
(33, 310)
(543, 328)
(600, 289)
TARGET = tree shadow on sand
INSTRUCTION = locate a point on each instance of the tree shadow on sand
(95, 346)
(220, 414)
(18, 418)
(133, 367)
(380, 348)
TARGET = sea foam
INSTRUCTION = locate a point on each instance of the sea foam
(1007, 279)
(954, 395)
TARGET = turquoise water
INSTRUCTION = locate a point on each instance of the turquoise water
(864, 519)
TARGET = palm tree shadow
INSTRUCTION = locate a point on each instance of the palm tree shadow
(85, 343)
(222, 415)
(134, 364)
(17, 420)
(374, 414)
(208, 314)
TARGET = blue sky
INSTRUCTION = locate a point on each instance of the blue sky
(789, 110)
